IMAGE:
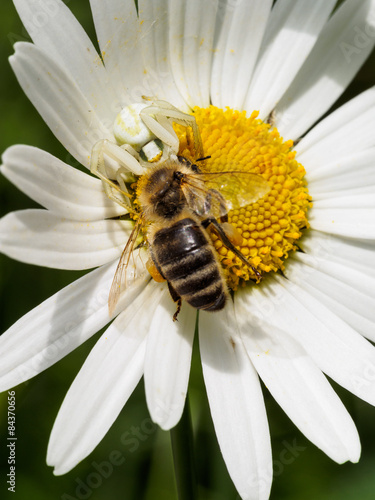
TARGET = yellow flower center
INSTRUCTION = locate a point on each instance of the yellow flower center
(271, 226)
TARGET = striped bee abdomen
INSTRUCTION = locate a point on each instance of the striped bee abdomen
(185, 258)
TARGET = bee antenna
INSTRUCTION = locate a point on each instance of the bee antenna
(202, 159)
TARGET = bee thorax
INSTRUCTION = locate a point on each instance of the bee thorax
(170, 205)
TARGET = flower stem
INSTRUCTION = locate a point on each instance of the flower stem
(183, 456)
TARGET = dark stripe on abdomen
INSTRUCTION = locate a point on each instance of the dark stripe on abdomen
(212, 299)
(185, 258)
(178, 240)
(197, 278)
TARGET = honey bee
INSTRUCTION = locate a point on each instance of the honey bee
(180, 207)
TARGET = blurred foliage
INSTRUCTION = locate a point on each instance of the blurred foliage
(143, 467)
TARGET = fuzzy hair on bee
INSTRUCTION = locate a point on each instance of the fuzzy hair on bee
(176, 206)
(161, 194)
(179, 203)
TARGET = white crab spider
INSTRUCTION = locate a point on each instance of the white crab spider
(144, 135)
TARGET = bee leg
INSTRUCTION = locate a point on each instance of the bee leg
(127, 164)
(159, 278)
(178, 310)
(175, 298)
(232, 233)
(227, 242)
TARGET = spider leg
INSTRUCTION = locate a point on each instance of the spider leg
(128, 165)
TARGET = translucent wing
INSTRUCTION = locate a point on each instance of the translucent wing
(120, 279)
(216, 193)
(238, 188)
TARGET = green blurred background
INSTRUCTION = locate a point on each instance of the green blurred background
(146, 468)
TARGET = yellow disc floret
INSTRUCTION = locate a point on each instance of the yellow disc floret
(271, 226)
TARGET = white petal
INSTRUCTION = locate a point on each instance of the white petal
(62, 189)
(103, 385)
(167, 364)
(346, 274)
(299, 387)
(236, 404)
(356, 171)
(42, 238)
(347, 292)
(117, 30)
(57, 32)
(59, 101)
(350, 198)
(338, 350)
(360, 197)
(343, 46)
(356, 254)
(236, 49)
(292, 31)
(348, 222)
(158, 77)
(332, 139)
(191, 47)
(59, 325)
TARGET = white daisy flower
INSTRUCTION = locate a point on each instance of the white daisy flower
(313, 312)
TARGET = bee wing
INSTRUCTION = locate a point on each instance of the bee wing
(201, 199)
(120, 282)
(216, 193)
(237, 188)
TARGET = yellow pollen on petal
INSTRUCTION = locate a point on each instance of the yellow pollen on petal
(271, 226)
